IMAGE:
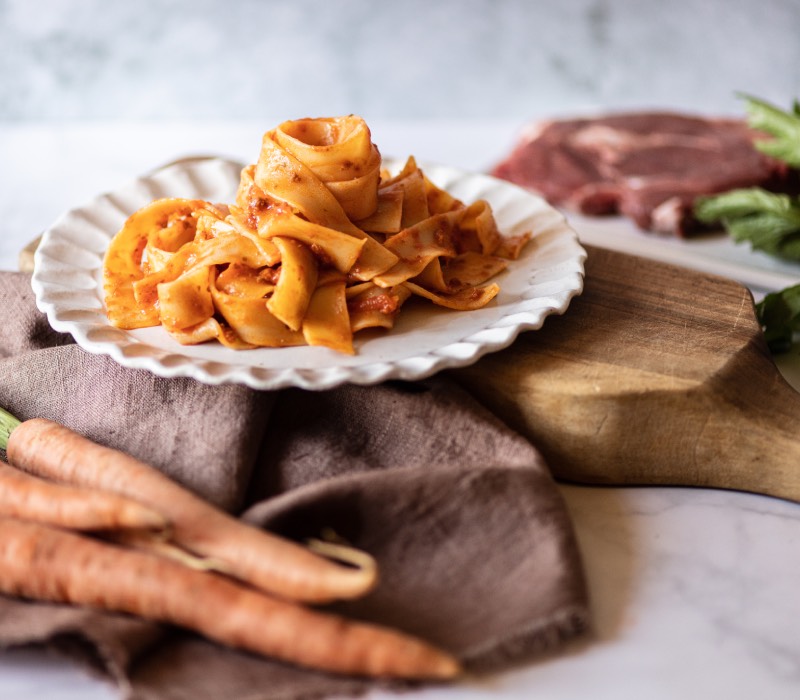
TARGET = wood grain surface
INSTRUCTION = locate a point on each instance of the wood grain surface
(655, 375)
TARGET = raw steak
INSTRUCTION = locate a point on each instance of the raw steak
(648, 166)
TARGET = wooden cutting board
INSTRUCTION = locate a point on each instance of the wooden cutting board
(655, 375)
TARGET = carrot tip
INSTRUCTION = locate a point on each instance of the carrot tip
(447, 668)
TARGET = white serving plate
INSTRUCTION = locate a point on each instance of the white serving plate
(67, 281)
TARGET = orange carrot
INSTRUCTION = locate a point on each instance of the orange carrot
(269, 562)
(45, 563)
(29, 498)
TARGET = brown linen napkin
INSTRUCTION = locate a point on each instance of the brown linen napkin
(474, 544)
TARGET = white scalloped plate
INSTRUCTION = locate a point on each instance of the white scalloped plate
(67, 281)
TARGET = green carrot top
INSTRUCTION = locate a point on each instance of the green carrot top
(7, 425)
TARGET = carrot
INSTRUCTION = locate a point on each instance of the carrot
(45, 563)
(264, 560)
(27, 497)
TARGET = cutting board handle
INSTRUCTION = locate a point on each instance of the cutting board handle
(655, 375)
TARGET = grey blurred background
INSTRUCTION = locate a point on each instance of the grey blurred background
(67, 60)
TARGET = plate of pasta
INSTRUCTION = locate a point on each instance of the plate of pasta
(321, 263)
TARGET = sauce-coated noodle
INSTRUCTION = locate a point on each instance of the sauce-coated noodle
(320, 243)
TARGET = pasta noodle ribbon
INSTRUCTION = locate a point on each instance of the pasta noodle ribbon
(410, 182)
(282, 177)
(296, 283)
(470, 270)
(250, 323)
(479, 229)
(125, 261)
(468, 299)
(418, 245)
(327, 321)
(319, 244)
(187, 300)
(375, 307)
(388, 215)
(223, 249)
(338, 249)
(340, 152)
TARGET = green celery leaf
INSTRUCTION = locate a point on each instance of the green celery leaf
(764, 231)
(779, 315)
(741, 202)
(790, 246)
(767, 221)
(782, 125)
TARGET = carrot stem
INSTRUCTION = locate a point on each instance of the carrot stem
(7, 425)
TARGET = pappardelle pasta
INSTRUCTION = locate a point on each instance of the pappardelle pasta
(321, 243)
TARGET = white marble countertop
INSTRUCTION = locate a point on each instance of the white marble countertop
(694, 592)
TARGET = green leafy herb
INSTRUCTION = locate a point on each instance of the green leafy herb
(779, 315)
(783, 126)
(768, 221)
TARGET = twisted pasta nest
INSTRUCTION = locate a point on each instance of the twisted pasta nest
(320, 243)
